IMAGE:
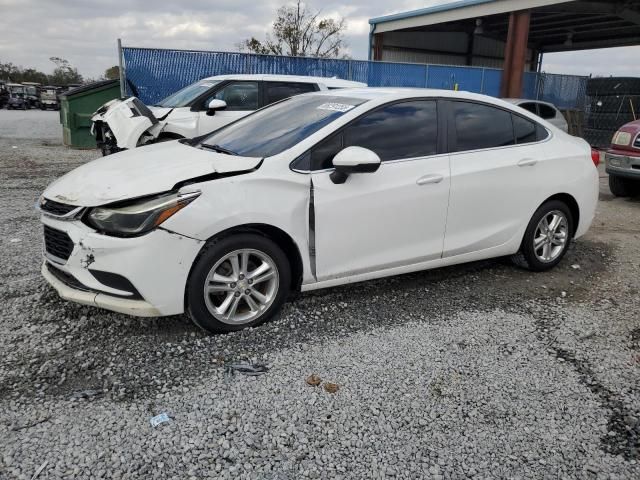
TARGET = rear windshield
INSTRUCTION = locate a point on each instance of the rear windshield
(184, 97)
(280, 126)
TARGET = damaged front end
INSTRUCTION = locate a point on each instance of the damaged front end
(125, 124)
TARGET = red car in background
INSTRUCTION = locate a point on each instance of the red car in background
(623, 160)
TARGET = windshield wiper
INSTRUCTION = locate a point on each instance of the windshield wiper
(218, 148)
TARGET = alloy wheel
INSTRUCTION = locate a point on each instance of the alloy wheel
(241, 286)
(551, 236)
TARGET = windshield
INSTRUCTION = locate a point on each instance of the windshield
(280, 126)
(184, 97)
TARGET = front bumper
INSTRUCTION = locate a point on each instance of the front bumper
(156, 265)
(138, 308)
(622, 165)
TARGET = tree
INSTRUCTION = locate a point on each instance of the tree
(298, 32)
(64, 73)
(112, 73)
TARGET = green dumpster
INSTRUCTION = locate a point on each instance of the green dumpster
(76, 108)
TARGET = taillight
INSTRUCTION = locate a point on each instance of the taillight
(595, 156)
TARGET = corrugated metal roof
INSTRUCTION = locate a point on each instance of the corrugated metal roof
(428, 10)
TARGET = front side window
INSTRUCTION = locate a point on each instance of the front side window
(481, 126)
(184, 97)
(401, 130)
(279, 127)
(238, 96)
(276, 91)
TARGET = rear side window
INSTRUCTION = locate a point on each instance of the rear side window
(527, 131)
(546, 111)
(481, 126)
(275, 91)
(524, 129)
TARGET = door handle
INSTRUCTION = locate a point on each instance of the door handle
(527, 162)
(428, 179)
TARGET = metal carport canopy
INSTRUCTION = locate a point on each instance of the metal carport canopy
(555, 26)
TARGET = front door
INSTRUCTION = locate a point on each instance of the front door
(241, 99)
(393, 217)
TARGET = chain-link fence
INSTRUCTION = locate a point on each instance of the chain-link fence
(152, 74)
(610, 103)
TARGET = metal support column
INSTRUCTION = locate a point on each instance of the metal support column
(123, 90)
(515, 54)
(377, 46)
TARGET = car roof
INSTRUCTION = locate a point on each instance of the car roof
(518, 101)
(399, 93)
(328, 81)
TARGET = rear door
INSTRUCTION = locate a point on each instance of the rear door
(498, 163)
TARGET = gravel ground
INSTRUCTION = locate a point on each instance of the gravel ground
(481, 370)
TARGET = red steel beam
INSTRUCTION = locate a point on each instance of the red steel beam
(377, 46)
(515, 56)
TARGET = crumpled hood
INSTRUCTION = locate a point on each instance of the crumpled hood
(159, 112)
(142, 171)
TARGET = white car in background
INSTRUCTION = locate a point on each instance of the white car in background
(318, 190)
(198, 109)
(544, 110)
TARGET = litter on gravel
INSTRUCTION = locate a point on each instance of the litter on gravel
(159, 419)
(250, 369)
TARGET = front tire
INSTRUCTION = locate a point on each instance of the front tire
(237, 281)
(547, 237)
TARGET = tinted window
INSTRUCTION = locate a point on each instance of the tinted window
(530, 106)
(322, 154)
(184, 97)
(279, 127)
(546, 111)
(481, 126)
(275, 91)
(239, 96)
(402, 130)
(524, 129)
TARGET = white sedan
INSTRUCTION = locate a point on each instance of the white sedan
(544, 110)
(318, 190)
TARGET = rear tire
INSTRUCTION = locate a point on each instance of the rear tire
(622, 187)
(542, 248)
(222, 297)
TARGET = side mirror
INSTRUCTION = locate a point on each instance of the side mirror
(353, 160)
(215, 105)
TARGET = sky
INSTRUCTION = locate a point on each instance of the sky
(85, 31)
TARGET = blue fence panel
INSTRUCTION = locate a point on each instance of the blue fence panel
(491, 83)
(564, 91)
(530, 85)
(386, 74)
(152, 74)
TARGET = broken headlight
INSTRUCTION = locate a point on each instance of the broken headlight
(138, 217)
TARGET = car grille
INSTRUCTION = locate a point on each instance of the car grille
(57, 243)
(56, 208)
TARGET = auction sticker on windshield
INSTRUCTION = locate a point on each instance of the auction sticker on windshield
(336, 107)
